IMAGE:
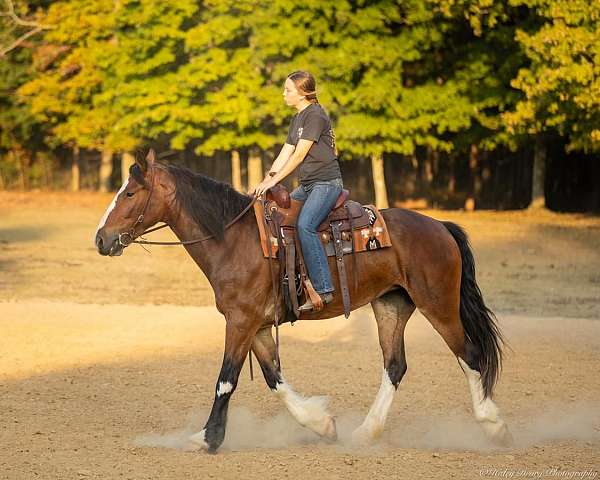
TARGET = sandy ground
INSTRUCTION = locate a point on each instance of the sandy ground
(107, 364)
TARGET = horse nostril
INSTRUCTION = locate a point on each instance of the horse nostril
(99, 242)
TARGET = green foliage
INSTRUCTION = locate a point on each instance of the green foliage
(18, 127)
(562, 82)
(394, 76)
(107, 90)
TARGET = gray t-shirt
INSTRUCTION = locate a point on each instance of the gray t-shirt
(320, 163)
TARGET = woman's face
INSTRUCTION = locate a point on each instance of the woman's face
(290, 94)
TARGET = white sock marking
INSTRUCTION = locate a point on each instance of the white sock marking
(224, 387)
(486, 411)
(309, 412)
(374, 422)
(109, 209)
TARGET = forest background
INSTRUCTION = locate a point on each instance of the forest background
(435, 103)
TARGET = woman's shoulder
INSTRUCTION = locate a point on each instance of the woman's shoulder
(317, 110)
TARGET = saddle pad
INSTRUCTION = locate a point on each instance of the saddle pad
(370, 237)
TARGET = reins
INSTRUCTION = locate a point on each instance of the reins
(186, 242)
(128, 237)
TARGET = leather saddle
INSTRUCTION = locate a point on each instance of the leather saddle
(350, 213)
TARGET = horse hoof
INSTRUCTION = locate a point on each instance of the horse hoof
(360, 438)
(504, 438)
(330, 432)
(198, 441)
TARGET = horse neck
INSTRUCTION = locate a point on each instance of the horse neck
(212, 255)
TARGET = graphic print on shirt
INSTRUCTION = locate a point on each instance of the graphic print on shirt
(300, 130)
(333, 145)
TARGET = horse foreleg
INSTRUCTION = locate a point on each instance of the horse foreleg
(309, 412)
(238, 339)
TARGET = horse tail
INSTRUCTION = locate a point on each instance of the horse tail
(479, 322)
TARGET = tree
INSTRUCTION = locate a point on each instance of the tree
(479, 53)
(562, 82)
(105, 91)
(21, 135)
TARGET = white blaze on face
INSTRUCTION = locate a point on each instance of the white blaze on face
(109, 209)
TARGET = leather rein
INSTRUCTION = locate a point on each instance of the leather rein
(128, 237)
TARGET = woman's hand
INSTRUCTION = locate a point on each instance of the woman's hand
(263, 186)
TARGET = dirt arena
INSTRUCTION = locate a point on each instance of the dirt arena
(107, 364)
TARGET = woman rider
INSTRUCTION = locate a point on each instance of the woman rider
(310, 144)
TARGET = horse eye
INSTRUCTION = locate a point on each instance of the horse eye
(130, 194)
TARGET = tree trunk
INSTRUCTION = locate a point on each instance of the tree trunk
(363, 187)
(2, 182)
(105, 172)
(411, 178)
(451, 176)
(255, 170)
(428, 167)
(127, 160)
(538, 198)
(381, 199)
(75, 170)
(236, 170)
(22, 160)
(473, 197)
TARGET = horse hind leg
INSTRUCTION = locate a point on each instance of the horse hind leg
(477, 352)
(485, 410)
(392, 311)
(310, 412)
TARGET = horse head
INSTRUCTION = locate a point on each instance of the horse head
(138, 205)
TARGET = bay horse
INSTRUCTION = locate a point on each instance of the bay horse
(430, 266)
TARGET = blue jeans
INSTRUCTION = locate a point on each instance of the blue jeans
(319, 198)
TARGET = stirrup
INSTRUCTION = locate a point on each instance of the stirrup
(308, 306)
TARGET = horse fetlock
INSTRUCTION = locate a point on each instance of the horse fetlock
(498, 433)
(198, 440)
(366, 433)
(487, 412)
(208, 440)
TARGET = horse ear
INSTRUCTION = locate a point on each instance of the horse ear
(141, 161)
(151, 157)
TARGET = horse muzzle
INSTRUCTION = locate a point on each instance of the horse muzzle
(110, 246)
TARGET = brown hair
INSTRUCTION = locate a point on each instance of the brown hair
(305, 84)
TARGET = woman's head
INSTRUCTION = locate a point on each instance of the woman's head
(300, 86)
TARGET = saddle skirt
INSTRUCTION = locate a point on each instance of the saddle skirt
(362, 226)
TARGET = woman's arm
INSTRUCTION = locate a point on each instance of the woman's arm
(284, 155)
(293, 161)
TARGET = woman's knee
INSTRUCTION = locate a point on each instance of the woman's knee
(305, 225)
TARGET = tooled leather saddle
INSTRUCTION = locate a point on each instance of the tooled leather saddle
(349, 228)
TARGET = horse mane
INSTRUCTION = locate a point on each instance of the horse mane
(210, 203)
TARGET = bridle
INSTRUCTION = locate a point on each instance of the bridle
(128, 237)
